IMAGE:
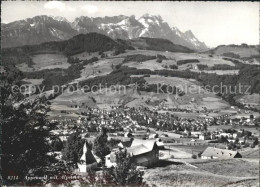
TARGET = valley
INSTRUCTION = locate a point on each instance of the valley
(91, 64)
(140, 91)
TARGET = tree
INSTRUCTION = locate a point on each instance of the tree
(57, 144)
(113, 143)
(159, 60)
(222, 139)
(25, 135)
(100, 146)
(173, 66)
(256, 142)
(119, 50)
(125, 172)
(236, 140)
(231, 145)
(194, 156)
(73, 148)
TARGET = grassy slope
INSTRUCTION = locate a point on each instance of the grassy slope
(207, 173)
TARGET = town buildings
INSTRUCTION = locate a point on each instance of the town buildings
(142, 152)
(216, 153)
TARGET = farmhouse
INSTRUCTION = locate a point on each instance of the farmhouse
(204, 137)
(216, 153)
(143, 152)
(195, 133)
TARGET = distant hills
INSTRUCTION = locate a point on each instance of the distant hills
(157, 44)
(95, 42)
(249, 53)
(44, 28)
(242, 50)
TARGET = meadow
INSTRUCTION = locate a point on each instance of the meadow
(45, 61)
(205, 173)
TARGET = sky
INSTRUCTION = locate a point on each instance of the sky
(215, 23)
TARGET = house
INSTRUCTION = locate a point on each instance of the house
(216, 153)
(153, 136)
(143, 152)
(212, 136)
(128, 134)
(159, 143)
(204, 137)
(229, 135)
(196, 133)
(88, 160)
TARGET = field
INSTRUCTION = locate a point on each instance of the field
(203, 58)
(33, 81)
(99, 68)
(150, 64)
(86, 55)
(227, 167)
(253, 99)
(250, 153)
(172, 59)
(191, 149)
(45, 61)
(195, 96)
(203, 173)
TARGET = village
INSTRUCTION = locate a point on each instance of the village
(150, 93)
(149, 136)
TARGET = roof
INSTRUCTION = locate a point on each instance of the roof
(124, 144)
(147, 143)
(138, 150)
(121, 138)
(220, 153)
(140, 146)
(87, 156)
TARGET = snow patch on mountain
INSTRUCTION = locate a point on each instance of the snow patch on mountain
(143, 21)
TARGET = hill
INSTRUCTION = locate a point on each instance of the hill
(249, 53)
(157, 44)
(91, 42)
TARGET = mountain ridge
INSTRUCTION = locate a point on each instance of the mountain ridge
(44, 28)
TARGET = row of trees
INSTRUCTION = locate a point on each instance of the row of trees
(138, 58)
(187, 61)
(217, 67)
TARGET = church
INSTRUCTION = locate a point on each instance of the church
(88, 160)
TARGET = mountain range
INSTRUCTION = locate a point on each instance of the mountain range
(44, 28)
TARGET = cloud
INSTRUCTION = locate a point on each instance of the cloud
(70, 9)
(91, 9)
(58, 5)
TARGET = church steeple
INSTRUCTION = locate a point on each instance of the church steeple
(84, 155)
(87, 156)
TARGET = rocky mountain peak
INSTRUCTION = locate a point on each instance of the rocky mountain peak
(54, 28)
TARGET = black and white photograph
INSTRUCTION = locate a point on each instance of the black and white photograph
(129, 93)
